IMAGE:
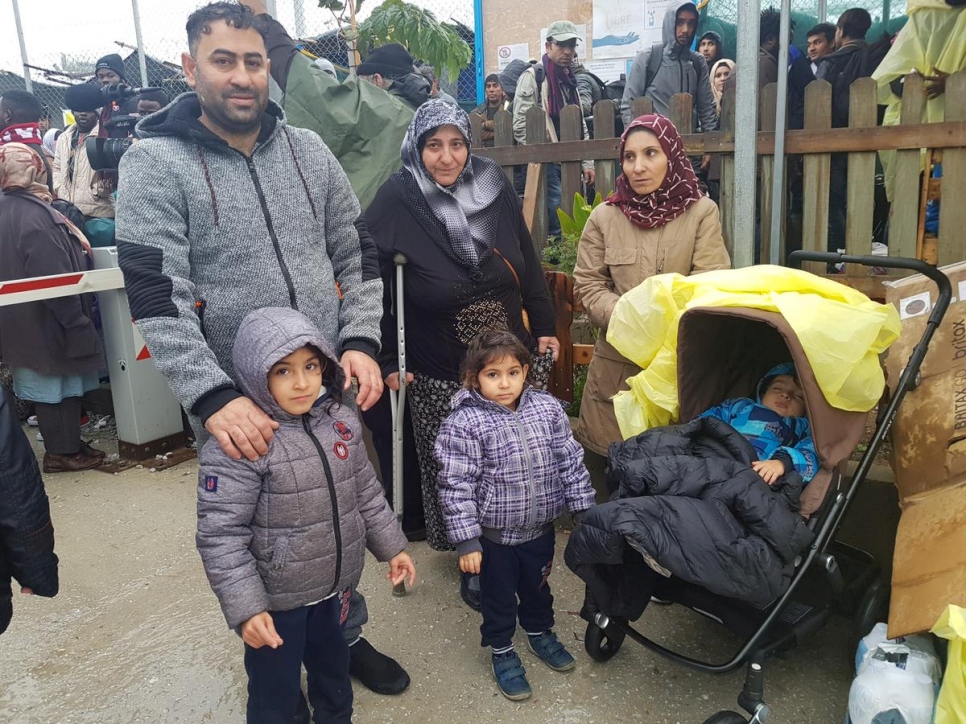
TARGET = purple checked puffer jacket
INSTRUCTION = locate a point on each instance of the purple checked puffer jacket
(505, 471)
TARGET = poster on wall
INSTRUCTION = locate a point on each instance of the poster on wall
(654, 11)
(619, 29)
(506, 53)
(607, 69)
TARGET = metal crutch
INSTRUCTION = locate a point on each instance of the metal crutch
(397, 403)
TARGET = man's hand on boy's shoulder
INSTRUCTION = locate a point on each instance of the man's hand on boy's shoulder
(242, 429)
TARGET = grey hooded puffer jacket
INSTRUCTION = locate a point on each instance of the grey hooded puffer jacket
(681, 71)
(292, 527)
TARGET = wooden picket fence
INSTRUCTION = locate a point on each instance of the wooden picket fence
(911, 140)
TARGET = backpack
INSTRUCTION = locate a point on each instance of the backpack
(654, 64)
(860, 64)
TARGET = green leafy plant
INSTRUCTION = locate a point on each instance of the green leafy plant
(562, 253)
(573, 226)
(429, 40)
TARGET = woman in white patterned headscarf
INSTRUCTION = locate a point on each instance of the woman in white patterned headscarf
(471, 266)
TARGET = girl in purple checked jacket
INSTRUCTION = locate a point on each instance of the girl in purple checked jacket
(509, 468)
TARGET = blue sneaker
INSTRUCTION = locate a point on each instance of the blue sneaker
(510, 676)
(550, 651)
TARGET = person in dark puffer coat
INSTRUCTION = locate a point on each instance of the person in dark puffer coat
(689, 502)
(26, 532)
(283, 538)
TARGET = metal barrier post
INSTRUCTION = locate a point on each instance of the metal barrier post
(147, 413)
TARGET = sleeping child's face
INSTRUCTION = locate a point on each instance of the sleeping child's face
(784, 396)
(295, 381)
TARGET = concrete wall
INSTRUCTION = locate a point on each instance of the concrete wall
(512, 21)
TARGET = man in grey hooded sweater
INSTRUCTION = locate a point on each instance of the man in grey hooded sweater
(224, 208)
(680, 70)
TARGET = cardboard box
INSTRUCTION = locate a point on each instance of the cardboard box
(929, 440)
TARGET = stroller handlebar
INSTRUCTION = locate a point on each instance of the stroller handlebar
(890, 262)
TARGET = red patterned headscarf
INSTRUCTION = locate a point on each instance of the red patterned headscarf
(675, 194)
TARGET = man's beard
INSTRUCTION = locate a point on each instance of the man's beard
(232, 119)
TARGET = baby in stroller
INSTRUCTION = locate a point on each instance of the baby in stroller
(713, 502)
(775, 425)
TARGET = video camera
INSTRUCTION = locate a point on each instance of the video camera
(105, 154)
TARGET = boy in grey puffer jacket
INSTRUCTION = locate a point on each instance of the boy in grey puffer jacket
(283, 538)
(509, 467)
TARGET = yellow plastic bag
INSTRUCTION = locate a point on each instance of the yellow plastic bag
(842, 331)
(951, 704)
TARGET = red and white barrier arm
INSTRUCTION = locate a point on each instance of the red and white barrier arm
(38, 289)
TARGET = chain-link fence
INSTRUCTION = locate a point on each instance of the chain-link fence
(62, 45)
(722, 16)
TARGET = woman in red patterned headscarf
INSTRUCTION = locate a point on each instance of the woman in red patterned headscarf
(657, 221)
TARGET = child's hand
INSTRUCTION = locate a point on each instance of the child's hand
(769, 470)
(401, 567)
(260, 631)
(470, 563)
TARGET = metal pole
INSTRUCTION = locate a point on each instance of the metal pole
(778, 174)
(823, 10)
(478, 43)
(270, 6)
(746, 125)
(142, 60)
(28, 84)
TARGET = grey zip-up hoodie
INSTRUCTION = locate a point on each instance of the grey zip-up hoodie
(676, 75)
(292, 527)
(206, 235)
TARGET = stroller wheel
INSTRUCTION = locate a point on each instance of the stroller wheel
(601, 645)
(726, 717)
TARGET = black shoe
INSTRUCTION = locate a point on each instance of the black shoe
(470, 591)
(376, 671)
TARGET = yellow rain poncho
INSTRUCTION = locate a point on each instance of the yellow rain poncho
(935, 35)
(841, 330)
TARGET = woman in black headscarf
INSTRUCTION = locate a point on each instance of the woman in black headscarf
(471, 266)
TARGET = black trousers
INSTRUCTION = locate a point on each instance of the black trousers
(60, 425)
(378, 419)
(838, 189)
(312, 635)
(513, 584)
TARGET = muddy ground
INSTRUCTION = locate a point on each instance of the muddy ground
(136, 636)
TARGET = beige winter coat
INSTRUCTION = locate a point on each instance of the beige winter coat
(615, 256)
(85, 189)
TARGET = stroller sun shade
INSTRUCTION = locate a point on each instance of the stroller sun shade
(723, 352)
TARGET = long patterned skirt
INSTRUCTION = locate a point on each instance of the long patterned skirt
(430, 405)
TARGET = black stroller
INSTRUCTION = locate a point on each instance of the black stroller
(829, 577)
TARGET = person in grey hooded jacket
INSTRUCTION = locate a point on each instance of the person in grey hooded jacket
(283, 538)
(680, 71)
(224, 208)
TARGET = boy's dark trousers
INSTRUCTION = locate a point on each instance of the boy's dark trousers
(511, 572)
(311, 635)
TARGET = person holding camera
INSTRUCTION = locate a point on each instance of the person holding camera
(75, 180)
